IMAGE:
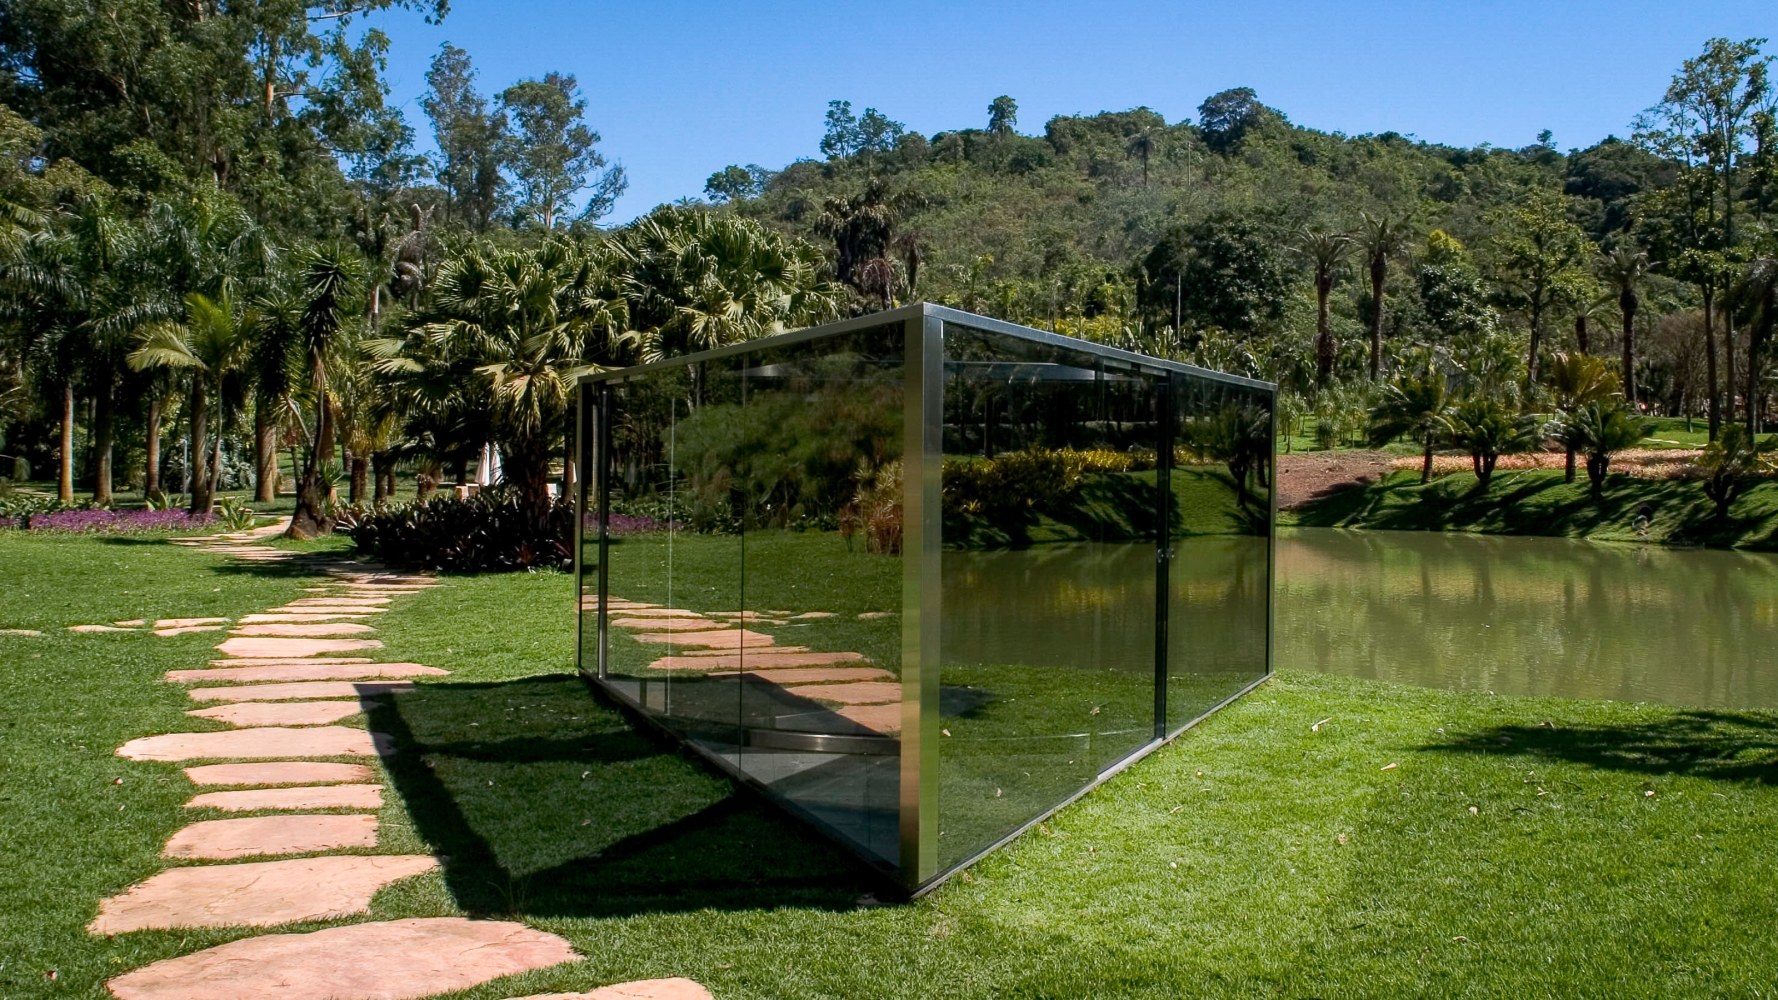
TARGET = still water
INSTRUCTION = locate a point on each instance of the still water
(1531, 616)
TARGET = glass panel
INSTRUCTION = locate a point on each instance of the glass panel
(1219, 600)
(817, 468)
(588, 498)
(1052, 514)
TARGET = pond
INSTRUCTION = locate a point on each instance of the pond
(1531, 616)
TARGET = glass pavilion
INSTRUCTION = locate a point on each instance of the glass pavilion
(924, 577)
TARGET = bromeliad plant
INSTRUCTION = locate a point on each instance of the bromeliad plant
(494, 531)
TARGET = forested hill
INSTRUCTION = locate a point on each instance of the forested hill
(1123, 227)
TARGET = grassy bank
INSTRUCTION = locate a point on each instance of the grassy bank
(1540, 503)
(1514, 848)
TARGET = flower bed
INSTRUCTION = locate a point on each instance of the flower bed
(88, 522)
(1642, 463)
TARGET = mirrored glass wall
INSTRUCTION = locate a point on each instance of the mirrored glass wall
(926, 577)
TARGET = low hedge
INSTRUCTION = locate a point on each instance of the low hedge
(489, 532)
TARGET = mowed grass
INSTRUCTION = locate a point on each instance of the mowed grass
(1539, 502)
(1513, 848)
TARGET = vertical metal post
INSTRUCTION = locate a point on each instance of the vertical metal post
(922, 463)
(1272, 529)
(1163, 546)
(579, 533)
(602, 462)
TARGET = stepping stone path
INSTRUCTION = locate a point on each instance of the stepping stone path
(715, 644)
(281, 688)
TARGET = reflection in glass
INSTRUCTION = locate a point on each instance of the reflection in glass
(1087, 570)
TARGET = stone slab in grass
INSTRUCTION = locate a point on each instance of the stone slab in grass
(279, 661)
(689, 624)
(280, 713)
(98, 628)
(755, 659)
(817, 675)
(168, 633)
(652, 611)
(187, 622)
(758, 651)
(676, 988)
(262, 743)
(300, 691)
(259, 836)
(855, 693)
(727, 638)
(351, 610)
(278, 772)
(305, 672)
(810, 615)
(256, 893)
(884, 719)
(297, 617)
(303, 630)
(384, 960)
(266, 646)
(340, 601)
(24, 632)
(296, 799)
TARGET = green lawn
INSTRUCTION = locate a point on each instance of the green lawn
(1513, 849)
(1540, 503)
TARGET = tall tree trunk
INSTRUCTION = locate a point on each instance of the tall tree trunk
(1728, 364)
(1379, 271)
(1759, 340)
(1712, 392)
(310, 517)
(104, 437)
(1568, 469)
(1580, 333)
(265, 450)
(202, 495)
(1426, 462)
(1536, 344)
(151, 476)
(1626, 303)
(1325, 348)
(360, 477)
(65, 460)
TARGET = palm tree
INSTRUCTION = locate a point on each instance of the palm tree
(1143, 142)
(531, 322)
(1487, 428)
(1324, 251)
(212, 345)
(1418, 406)
(1757, 295)
(1622, 270)
(1578, 380)
(331, 279)
(1380, 239)
(1602, 427)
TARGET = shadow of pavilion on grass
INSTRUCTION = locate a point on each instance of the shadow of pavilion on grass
(543, 801)
(1727, 746)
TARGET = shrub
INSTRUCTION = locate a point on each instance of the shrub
(488, 532)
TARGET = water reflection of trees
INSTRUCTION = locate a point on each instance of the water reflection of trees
(1532, 616)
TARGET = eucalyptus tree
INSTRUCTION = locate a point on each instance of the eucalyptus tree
(1324, 251)
(1003, 115)
(1539, 260)
(1623, 268)
(211, 345)
(468, 134)
(551, 152)
(1379, 239)
(1755, 293)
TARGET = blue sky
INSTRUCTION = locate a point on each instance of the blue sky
(680, 89)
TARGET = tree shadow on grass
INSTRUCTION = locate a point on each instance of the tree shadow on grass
(545, 802)
(1727, 746)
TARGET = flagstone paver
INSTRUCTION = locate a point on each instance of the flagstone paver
(98, 628)
(278, 772)
(292, 618)
(388, 960)
(299, 691)
(881, 718)
(26, 632)
(731, 638)
(255, 836)
(265, 646)
(303, 630)
(280, 713)
(643, 989)
(281, 661)
(813, 615)
(262, 743)
(350, 610)
(856, 693)
(186, 622)
(256, 893)
(690, 624)
(817, 675)
(299, 798)
(754, 659)
(305, 672)
(167, 633)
